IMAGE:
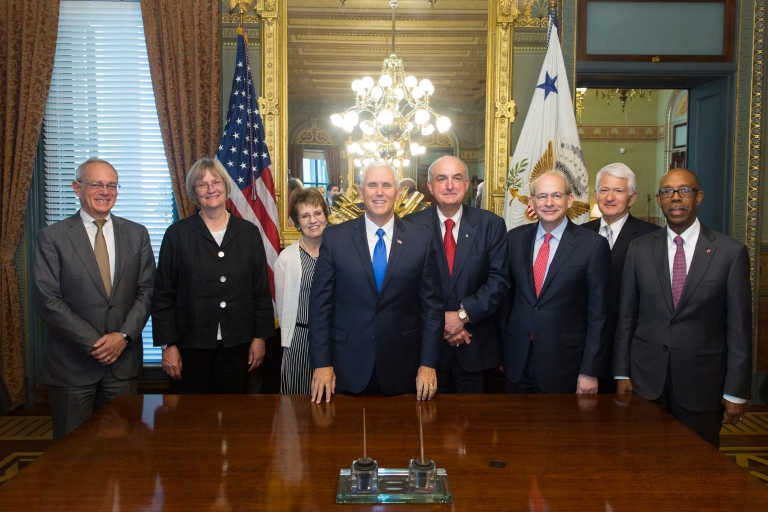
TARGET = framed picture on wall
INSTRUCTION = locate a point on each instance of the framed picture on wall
(680, 136)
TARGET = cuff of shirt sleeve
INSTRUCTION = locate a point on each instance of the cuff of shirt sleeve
(620, 377)
(734, 399)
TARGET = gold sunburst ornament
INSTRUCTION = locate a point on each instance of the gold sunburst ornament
(546, 163)
(349, 205)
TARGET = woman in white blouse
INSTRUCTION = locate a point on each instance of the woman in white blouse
(293, 280)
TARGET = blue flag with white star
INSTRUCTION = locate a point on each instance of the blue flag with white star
(549, 140)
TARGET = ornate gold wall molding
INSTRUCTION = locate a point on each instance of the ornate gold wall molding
(631, 133)
(436, 139)
(500, 109)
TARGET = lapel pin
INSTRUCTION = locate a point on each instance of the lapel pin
(466, 235)
(399, 241)
(708, 251)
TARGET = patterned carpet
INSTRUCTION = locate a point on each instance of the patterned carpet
(25, 434)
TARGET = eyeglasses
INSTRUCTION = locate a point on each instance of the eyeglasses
(205, 186)
(557, 196)
(97, 185)
(307, 216)
(684, 192)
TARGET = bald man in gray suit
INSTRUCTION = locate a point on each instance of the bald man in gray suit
(94, 274)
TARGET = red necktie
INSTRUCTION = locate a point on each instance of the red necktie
(678, 272)
(450, 244)
(540, 266)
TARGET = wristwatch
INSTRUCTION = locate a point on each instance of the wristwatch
(463, 315)
(128, 340)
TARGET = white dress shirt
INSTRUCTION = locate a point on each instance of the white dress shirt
(456, 219)
(373, 238)
(615, 228)
(557, 235)
(109, 237)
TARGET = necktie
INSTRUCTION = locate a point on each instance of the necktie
(609, 235)
(540, 266)
(450, 244)
(102, 256)
(379, 259)
(678, 272)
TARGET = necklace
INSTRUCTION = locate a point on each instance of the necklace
(303, 245)
(226, 222)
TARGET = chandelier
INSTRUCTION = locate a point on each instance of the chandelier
(389, 111)
(624, 94)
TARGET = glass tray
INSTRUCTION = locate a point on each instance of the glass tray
(393, 488)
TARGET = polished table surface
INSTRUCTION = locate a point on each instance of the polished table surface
(257, 452)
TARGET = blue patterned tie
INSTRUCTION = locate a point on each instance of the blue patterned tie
(379, 259)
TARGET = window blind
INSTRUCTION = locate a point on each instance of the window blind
(101, 104)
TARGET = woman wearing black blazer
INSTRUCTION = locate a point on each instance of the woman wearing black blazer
(212, 306)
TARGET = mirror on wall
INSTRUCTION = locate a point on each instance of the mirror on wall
(330, 45)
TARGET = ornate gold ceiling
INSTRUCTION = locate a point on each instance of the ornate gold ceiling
(330, 45)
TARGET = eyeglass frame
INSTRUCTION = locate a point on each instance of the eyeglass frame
(97, 185)
(679, 192)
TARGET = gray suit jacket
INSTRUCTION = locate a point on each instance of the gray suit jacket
(73, 303)
(707, 339)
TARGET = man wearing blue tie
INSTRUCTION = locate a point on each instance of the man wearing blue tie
(376, 307)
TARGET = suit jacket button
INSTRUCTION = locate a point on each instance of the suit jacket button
(110, 307)
(535, 309)
(672, 322)
(373, 338)
(221, 254)
(665, 348)
(222, 304)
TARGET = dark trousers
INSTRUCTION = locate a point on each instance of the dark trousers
(373, 387)
(452, 378)
(707, 424)
(213, 371)
(72, 405)
(606, 385)
(527, 383)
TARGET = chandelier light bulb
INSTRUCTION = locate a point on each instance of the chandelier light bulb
(414, 148)
(399, 94)
(367, 127)
(357, 162)
(417, 92)
(366, 161)
(396, 162)
(356, 85)
(351, 118)
(427, 129)
(367, 82)
(337, 120)
(427, 86)
(385, 81)
(421, 117)
(348, 127)
(400, 152)
(377, 93)
(410, 81)
(409, 126)
(406, 163)
(397, 145)
(386, 117)
(353, 148)
(443, 123)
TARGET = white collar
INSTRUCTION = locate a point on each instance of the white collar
(456, 217)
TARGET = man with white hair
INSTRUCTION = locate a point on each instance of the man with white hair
(376, 306)
(615, 191)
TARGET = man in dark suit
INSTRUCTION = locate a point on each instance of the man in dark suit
(556, 335)
(615, 192)
(376, 306)
(94, 274)
(475, 277)
(684, 337)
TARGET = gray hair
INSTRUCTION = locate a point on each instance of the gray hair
(81, 168)
(444, 157)
(618, 170)
(568, 188)
(379, 163)
(197, 173)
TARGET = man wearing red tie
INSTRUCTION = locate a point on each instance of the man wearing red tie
(475, 277)
(684, 337)
(556, 335)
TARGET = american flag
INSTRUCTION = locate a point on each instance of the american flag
(243, 152)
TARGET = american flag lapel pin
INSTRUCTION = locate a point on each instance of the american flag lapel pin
(399, 241)
(709, 251)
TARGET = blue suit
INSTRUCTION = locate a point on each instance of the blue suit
(569, 320)
(480, 282)
(353, 327)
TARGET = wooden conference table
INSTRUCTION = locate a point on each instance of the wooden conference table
(259, 452)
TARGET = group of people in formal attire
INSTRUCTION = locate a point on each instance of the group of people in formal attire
(428, 303)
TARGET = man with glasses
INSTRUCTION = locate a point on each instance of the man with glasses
(556, 335)
(615, 192)
(94, 274)
(472, 257)
(684, 337)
